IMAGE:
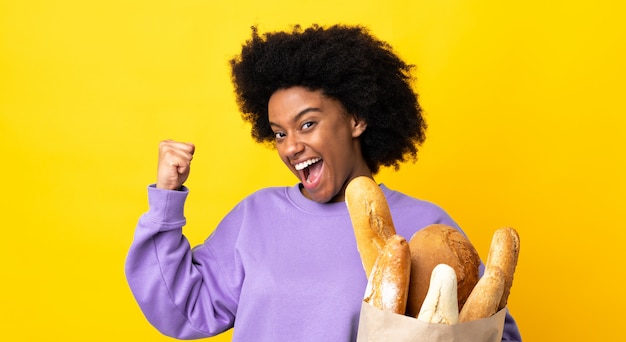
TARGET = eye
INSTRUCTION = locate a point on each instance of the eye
(279, 135)
(307, 125)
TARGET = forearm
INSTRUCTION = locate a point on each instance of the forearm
(511, 331)
(162, 276)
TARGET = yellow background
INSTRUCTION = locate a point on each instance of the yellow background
(527, 123)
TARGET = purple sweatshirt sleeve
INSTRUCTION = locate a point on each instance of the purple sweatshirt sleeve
(168, 285)
(511, 331)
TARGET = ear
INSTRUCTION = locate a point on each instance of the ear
(358, 126)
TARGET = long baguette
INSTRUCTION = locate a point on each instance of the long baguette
(441, 304)
(492, 290)
(371, 219)
(504, 254)
(484, 300)
(388, 285)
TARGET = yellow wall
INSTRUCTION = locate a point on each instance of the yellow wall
(526, 113)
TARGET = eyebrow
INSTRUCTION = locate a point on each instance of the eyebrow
(300, 114)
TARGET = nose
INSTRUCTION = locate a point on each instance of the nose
(293, 146)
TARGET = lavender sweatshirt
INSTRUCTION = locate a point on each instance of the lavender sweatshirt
(279, 267)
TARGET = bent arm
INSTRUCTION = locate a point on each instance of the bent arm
(167, 282)
(511, 330)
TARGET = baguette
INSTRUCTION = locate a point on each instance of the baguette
(388, 285)
(491, 294)
(371, 219)
(441, 304)
(484, 300)
(504, 254)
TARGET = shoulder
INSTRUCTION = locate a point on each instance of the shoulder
(267, 192)
(411, 214)
(256, 206)
(400, 200)
(264, 197)
(276, 199)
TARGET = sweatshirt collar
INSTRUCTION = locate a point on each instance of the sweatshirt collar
(336, 208)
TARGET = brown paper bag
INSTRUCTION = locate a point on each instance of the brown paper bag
(376, 325)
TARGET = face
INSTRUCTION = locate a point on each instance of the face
(318, 141)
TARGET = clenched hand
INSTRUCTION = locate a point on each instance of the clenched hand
(174, 163)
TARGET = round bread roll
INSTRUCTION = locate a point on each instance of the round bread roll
(440, 244)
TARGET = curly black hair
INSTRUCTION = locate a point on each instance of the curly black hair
(347, 64)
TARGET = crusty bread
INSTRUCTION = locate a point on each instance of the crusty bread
(441, 305)
(388, 285)
(504, 254)
(492, 291)
(440, 244)
(371, 219)
(484, 300)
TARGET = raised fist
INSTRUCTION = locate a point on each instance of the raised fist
(174, 162)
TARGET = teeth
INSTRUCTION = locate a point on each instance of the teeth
(304, 164)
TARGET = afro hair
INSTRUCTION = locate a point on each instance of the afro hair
(346, 63)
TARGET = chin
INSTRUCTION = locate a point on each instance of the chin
(317, 197)
(328, 198)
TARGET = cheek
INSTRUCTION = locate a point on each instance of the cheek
(282, 156)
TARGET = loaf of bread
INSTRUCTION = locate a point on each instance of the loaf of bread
(484, 300)
(504, 254)
(388, 285)
(492, 291)
(441, 305)
(371, 219)
(440, 244)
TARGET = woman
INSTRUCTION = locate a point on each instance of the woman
(336, 103)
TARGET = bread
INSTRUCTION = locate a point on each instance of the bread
(504, 254)
(492, 291)
(441, 305)
(440, 244)
(484, 300)
(388, 284)
(371, 219)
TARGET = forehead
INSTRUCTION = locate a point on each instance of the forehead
(294, 96)
(296, 101)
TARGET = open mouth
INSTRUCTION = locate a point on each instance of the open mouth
(309, 169)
